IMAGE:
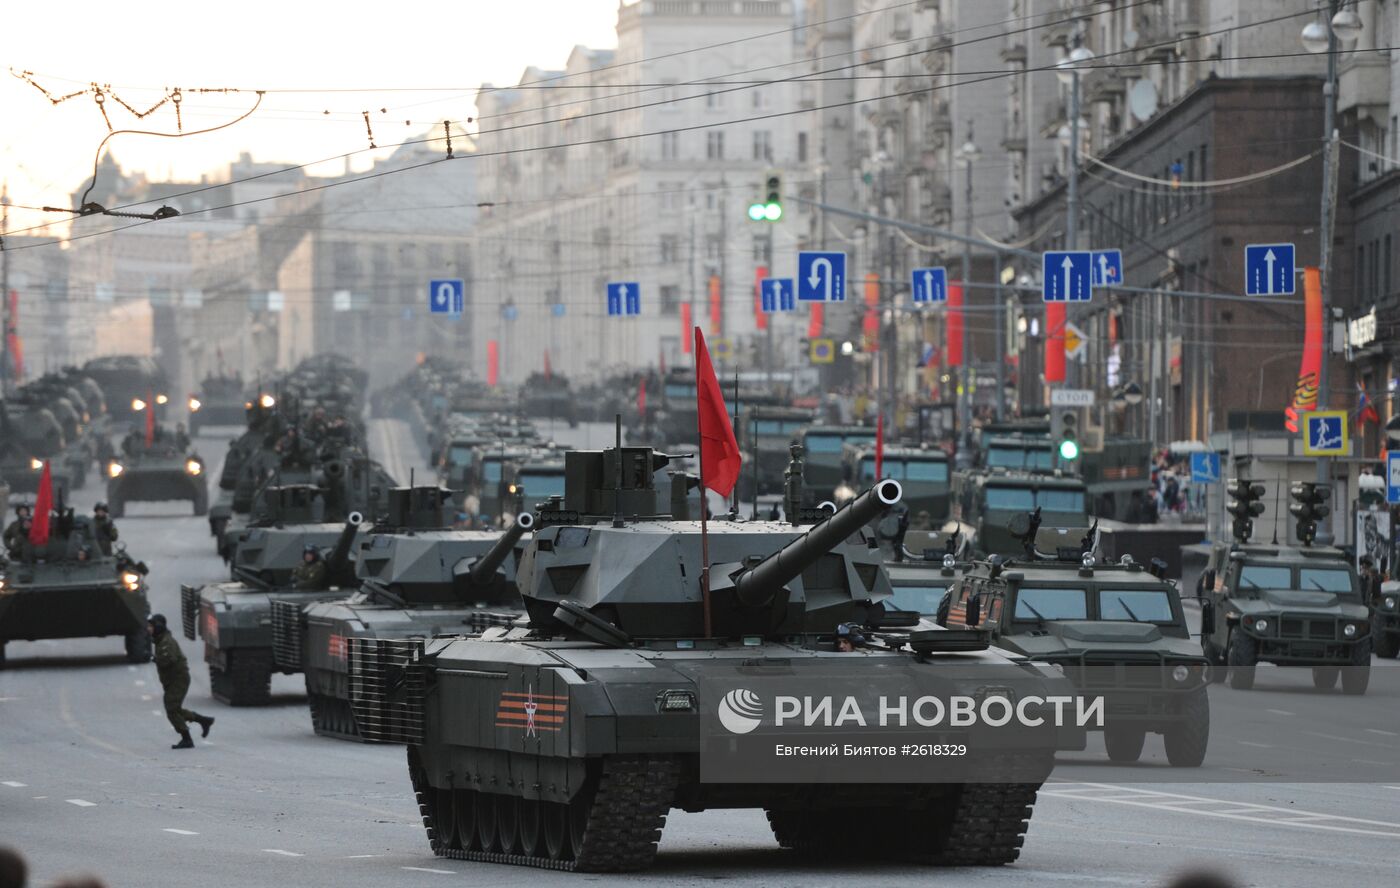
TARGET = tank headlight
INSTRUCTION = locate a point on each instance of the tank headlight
(114, 469)
(1261, 625)
(512, 489)
(193, 467)
(675, 701)
(950, 562)
(131, 581)
(36, 464)
(1088, 559)
(1180, 673)
(195, 404)
(267, 401)
(1390, 602)
(1058, 667)
(138, 404)
(1349, 630)
(161, 399)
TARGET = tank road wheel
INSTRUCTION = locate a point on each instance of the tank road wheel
(1241, 655)
(138, 647)
(1325, 677)
(485, 822)
(1124, 742)
(579, 811)
(1386, 644)
(556, 828)
(1187, 739)
(507, 822)
(464, 815)
(531, 827)
(1357, 677)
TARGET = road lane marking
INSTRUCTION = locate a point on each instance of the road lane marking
(424, 869)
(1252, 743)
(15, 784)
(1382, 733)
(361, 856)
(146, 698)
(1341, 739)
(283, 853)
(1279, 711)
(81, 803)
(180, 832)
(40, 798)
(139, 683)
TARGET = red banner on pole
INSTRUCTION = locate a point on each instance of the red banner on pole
(760, 317)
(1314, 330)
(953, 327)
(493, 362)
(43, 503)
(716, 307)
(1054, 342)
(14, 346)
(870, 325)
(687, 344)
(814, 321)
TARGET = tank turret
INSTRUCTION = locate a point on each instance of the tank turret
(484, 569)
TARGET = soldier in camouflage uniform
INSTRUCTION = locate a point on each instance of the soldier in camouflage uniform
(311, 573)
(174, 674)
(104, 528)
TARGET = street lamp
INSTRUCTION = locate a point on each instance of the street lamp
(968, 154)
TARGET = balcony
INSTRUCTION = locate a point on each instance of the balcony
(1014, 53)
(1103, 85)
(1013, 139)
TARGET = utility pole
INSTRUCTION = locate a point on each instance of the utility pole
(1000, 340)
(1072, 205)
(969, 152)
(4, 293)
(1324, 257)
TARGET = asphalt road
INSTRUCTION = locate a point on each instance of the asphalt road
(88, 782)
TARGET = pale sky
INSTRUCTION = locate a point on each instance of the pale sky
(442, 51)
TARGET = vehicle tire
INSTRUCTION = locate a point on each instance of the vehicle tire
(1357, 677)
(1241, 657)
(1387, 644)
(1325, 677)
(138, 647)
(1124, 742)
(1186, 740)
(1218, 666)
(2, 654)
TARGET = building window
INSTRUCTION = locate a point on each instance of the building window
(670, 249)
(760, 98)
(763, 145)
(1385, 270)
(801, 147)
(670, 299)
(714, 146)
(714, 100)
(670, 146)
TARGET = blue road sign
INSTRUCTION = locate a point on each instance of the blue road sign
(624, 298)
(821, 276)
(776, 294)
(1325, 433)
(510, 312)
(1392, 477)
(1107, 268)
(1067, 276)
(1269, 270)
(558, 309)
(930, 284)
(1205, 468)
(446, 296)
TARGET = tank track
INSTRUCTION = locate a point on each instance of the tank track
(332, 717)
(247, 681)
(625, 815)
(989, 825)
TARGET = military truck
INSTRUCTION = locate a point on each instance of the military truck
(220, 401)
(538, 479)
(1113, 466)
(416, 580)
(66, 588)
(823, 468)
(1115, 629)
(1385, 621)
(234, 619)
(164, 469)
(600, 697)
(765, 431)
(922, 472)
(985, 500)
(1287, 605)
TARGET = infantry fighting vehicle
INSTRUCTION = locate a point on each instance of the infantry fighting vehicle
(1280, 604)
(66, 588)
(985, 501)
(29, 436)
(219, 402)
(1385, 621)
(563, 743)
(129, 381)
(235, 618)
(164, 469)
(1116, 630)
(417, 581)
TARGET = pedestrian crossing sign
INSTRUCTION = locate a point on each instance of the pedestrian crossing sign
(1325, 433)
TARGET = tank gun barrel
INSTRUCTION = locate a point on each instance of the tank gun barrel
(338, 561)
(755, 586)
(485, 568)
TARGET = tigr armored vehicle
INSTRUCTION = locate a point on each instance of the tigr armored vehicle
(923, 473)
(1385, 621)
(66, 588)
(1115, 629)
(235, 618)
(985, 501)
(417, 581)
(564, 743)
(220, 401)
(824, 448)
(764, 433)
(165, 469)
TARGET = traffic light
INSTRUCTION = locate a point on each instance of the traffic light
(1309, 506)
(1064, 433)
(770, 208)
(1245, 506)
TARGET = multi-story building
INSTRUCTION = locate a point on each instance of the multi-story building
(638, 164)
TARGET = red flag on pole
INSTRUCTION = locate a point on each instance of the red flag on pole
(150, 419)
(1054, 342)
(493, 363)
(880, 447)
(720, 460)
(43, 503)
(642, 399)
(685, 330)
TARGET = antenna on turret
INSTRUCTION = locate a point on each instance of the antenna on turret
(1278, 513)
(617, 471)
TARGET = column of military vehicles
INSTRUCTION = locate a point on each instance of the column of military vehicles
(543, 629)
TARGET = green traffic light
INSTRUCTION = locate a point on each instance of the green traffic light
(757, 212)
(773, 212)
(1069, 450)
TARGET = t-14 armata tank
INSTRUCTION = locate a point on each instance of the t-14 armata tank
(564, 743)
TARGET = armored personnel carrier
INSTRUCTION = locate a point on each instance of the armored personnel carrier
(29, 436)
(564, 742)
(417, 580)
(220, 401)
(1287, 605)
(67, 589)
(128, 381)
(986, 500)
(234, 618)
(1115, 629)
(163, 469)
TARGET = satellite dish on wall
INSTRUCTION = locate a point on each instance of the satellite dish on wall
(1142, 99)
(1130, 39)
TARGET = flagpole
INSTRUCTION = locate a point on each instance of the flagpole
(704, 500)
